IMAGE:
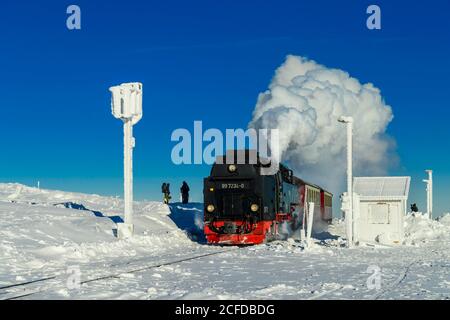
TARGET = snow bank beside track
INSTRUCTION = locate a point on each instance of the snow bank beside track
(43, 231)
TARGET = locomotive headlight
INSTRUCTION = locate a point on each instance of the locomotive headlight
(254, 207)
(210, 208)
(232, 168)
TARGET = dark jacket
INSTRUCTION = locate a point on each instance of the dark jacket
(184, 188)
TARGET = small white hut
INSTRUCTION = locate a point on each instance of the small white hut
(380, 208)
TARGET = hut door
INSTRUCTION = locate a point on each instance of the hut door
(379, 213)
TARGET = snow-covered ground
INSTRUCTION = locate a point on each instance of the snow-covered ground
(48, 236)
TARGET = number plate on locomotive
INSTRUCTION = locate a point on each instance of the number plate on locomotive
(239, 185)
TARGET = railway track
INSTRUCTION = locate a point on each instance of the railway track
(57, 281)
(398, 282)
(407, 271)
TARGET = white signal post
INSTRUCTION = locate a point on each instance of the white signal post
(429, 183)
(310, 222)
(126, 105)
(305, 212)
(349, 206)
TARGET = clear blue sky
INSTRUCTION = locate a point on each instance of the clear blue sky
(204, 60)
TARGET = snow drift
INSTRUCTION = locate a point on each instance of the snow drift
(420, 229)
(46, 231)
(304, 101)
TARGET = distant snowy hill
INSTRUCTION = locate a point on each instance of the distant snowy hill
(45, 235)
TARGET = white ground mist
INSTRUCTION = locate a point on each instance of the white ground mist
(304, 101)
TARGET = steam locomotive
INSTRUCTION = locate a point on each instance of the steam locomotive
(243, 206)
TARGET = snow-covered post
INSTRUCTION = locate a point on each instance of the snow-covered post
(305, 211)
(429, 183)
(310, 222)
(355, 217)
(349, 213)
(126, 105)
(128, 142)
(430, 173)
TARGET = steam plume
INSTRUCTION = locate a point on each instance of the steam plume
(304, 101)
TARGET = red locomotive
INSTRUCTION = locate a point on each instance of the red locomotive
(243, 206)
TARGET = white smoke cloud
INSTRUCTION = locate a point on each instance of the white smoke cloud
(304, 101)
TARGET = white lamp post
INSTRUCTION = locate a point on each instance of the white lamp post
(126, 105)
(349, 208)
(429, 183)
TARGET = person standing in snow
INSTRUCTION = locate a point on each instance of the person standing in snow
(166, 191)
(184, 192)
(163, 190)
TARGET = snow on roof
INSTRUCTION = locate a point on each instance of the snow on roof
(382, 187)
